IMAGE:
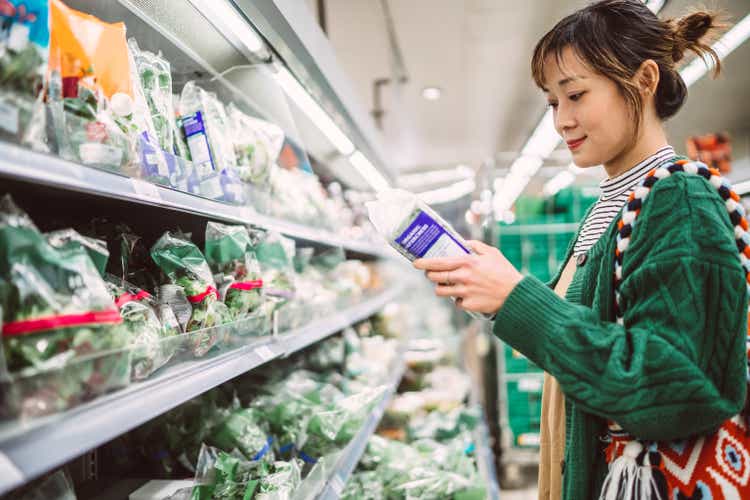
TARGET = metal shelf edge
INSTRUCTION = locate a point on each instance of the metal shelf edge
(42, 447)
(31, 166)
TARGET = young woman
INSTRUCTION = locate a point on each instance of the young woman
(674, 367)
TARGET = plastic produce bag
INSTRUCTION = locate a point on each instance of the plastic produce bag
(24, 50)
(257, 144)
(89, 64)
(206, 127)
(56, 486)
(281, 483)
(237, 272)
(151, 343)
(275, 253)
(221, 475)
(240, 430)
(184, 264)
(59, 317)
(96, 249)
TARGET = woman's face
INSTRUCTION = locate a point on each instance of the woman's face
(590, 113)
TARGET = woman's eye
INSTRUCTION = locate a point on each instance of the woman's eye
(577, 96)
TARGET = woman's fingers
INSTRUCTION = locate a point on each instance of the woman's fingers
(440, 264)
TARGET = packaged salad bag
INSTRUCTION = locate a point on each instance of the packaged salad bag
(63, 338)
(236, 270)
(275, 253)
(257, 145)
(185, 266)
(24, 51)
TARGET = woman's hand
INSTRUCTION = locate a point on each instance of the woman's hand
(480, 282)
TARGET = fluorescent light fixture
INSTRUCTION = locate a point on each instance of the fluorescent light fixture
(723, 47)
(448, 194)
(655, 5)
(312, 109)
(432, 93)
(228, 18)
(368, 171)
(741, 187)
(545, 138)
(559, 182)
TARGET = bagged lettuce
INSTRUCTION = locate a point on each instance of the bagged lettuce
(58, 319)
(184, 264)
(24, 50)
(95, 248)
(257, 145)
(275, 253)
(240, 430)
(149, 336)
(236, 270)
(222, 475)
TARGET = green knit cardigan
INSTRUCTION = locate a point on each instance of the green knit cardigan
(677, 367)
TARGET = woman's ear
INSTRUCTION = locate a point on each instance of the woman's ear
(647, 77)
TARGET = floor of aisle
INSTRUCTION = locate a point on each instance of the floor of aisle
(526, 490)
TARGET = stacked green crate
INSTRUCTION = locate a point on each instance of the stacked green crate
(523, 384)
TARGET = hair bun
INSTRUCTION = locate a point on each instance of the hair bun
(689, 33)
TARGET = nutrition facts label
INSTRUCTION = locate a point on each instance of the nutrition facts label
(425, 237)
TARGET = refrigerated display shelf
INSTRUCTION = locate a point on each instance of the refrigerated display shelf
(349, 458)
(30, 449)
(29, 166)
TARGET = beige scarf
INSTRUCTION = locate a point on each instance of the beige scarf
(552, 435)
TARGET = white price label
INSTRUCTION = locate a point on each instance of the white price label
(337, 484)
(265, 353)
(145, 189)
(9, 473)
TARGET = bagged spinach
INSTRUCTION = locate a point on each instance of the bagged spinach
(24, 50)
(96, 249)
(59, 319)
(151, 345)
(236, 270)
(222, 475)
(275, 253)
(184, 264)
(240, 430)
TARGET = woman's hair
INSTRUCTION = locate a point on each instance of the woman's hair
(614, 37)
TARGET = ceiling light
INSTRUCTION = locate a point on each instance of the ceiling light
(432, 93)
(368, 171)
(545, 138)
(229, 19)
(312, 109)
(741, 187)
(433, 177)
(558, 183)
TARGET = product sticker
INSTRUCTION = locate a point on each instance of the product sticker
(174, 297)
(95, 153)
(8, 117)
(195, 132)
(426, 238)
(337, 484)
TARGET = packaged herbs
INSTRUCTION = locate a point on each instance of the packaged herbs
(240, 430)
(275, 253)
(96, 249)
(257, 145)
(58, 318)
(184, 264)
(150, 337)
(24, 49)
(236, 270)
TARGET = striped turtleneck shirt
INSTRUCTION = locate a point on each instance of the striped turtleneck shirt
(614, 194)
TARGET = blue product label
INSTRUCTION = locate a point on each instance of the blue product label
(197, 140)
(426, 238)
(232, 187)
(149, 157)
(31, 15)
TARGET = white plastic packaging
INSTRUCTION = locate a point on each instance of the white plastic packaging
(413, 228)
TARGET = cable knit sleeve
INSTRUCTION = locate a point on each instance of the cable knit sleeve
(677, 366)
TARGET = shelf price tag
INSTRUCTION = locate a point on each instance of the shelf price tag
(337, 484)
(265, 353)
(145, 190)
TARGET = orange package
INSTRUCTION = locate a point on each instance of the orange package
(87, 50)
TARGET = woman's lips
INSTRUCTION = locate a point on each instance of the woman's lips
(575, 143)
